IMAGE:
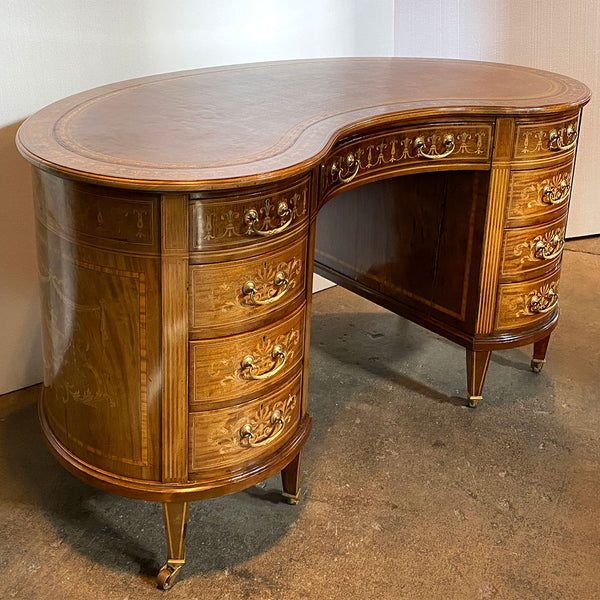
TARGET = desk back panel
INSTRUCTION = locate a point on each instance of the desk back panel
(414, 239)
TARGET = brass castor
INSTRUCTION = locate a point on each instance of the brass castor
(473, 401)
(292, 498)
(537, 364)
(168, 574)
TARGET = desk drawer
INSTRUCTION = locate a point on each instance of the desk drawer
(447, 145)
(247, 219)
(532, 251)
(243, 294)
(227, 439)
(546, 139)
(539, 194)
(525, 304)
(243, 366)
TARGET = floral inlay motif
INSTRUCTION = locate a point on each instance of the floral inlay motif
(228, 437)
(545, 246)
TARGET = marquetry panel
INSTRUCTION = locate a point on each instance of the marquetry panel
(248, 219)
(526, 304)
(542, 194)
(102, 217)
(546, 139)
(220, 370)
(429, 147)
(99, 310)
(532, 251)
(228, 439)
(240, 295)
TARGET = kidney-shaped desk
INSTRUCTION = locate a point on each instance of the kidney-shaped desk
(177, 218)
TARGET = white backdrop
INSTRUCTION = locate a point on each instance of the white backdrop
(556, 35)
(52, 48)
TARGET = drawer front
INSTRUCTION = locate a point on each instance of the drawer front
(525, 304)
(238, 294)
(444, 143)
(539, 193)
(243, 366)
(532, 251)
(247, 219)
(546, 139)
(227, 439)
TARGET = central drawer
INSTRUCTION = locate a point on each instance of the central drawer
(225, 371)
(413, 148)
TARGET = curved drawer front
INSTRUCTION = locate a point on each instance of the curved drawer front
(444, 143)
(227, 439)
(525, 304)
(236, 295)
(244, 220)
(542, 194)
(546, 139)
(532, 251)
(227, 369)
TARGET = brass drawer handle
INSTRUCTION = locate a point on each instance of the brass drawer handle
(555, 194)
(247, 436)
(280, 280)
(448, 142)
(556, 137)
(251, 219)
(351, 163)
(543, 302)
(547, 249)
(248, 364)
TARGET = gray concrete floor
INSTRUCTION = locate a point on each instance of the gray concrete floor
(408, 494)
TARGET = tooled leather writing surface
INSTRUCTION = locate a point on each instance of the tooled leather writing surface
(264, 121)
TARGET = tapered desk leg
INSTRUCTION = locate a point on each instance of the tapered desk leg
(290, 479)
(539, 354)
(477, 365)
(175, 518)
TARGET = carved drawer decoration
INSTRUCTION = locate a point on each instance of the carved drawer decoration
(539, 193)
(234, 295)
(244, 220)
(524, 304)
(531, 251)
(546, 139)
(226, 369)
(224, 438)
(446, 143)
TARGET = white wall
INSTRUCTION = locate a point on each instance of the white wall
(52, 48)
(556, 35)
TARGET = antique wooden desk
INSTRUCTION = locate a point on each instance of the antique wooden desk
(177, 218)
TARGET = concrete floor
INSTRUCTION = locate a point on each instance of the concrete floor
(408, 494)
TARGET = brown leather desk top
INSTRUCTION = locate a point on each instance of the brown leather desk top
(205, 128)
